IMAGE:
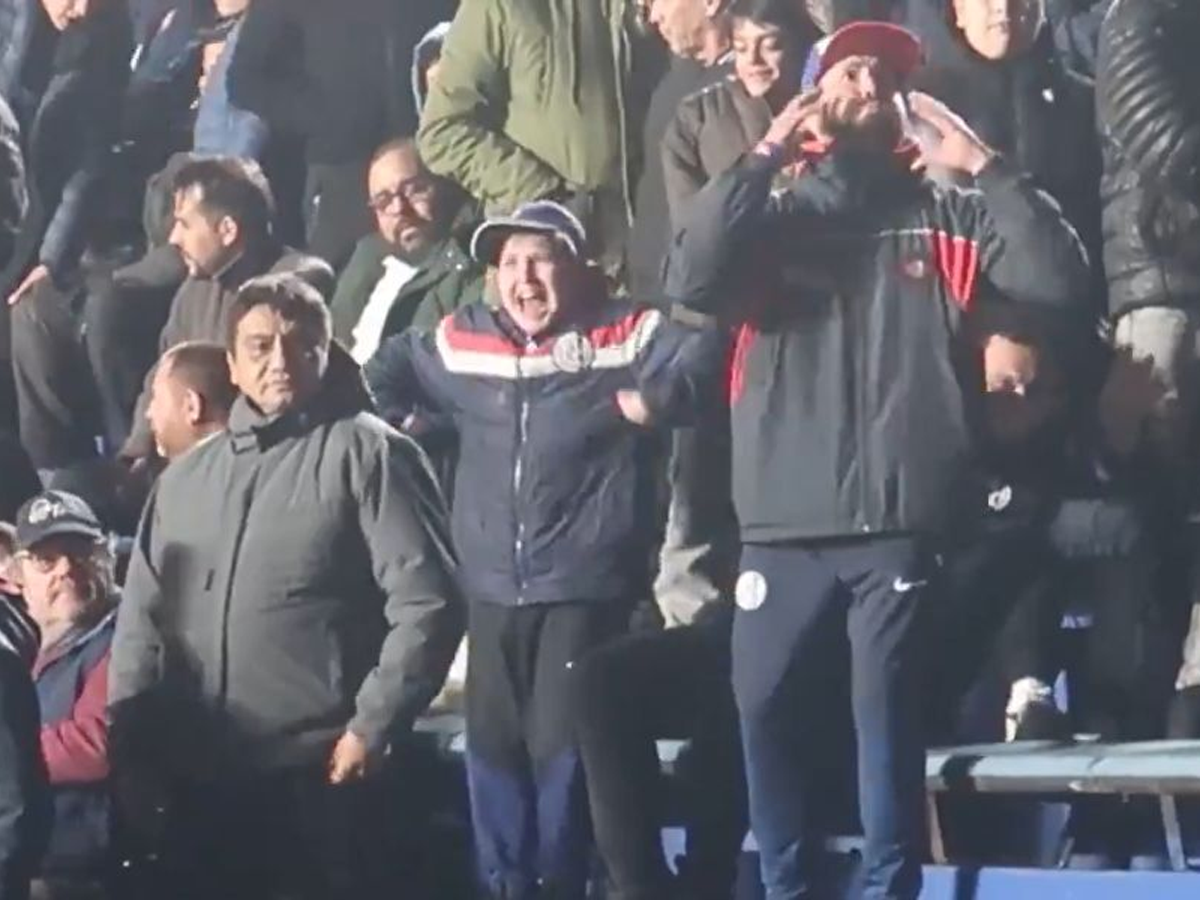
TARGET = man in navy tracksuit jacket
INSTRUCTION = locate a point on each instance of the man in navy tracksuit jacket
(554, 517)
(849, 420)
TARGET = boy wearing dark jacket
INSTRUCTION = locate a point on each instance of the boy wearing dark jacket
(554, 483)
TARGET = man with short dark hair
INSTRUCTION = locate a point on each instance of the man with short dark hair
(223, 229)
(289, 609)
(190, 397)
(415, 268)
(850, 433)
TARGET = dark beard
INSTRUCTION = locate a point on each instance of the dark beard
(879, 132)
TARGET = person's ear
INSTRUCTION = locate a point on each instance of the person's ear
(193, 407)
(228, 231)
(959, 9)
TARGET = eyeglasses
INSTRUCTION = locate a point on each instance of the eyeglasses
(44, 560)
(413, 192)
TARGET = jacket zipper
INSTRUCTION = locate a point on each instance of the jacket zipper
(859, 342)
(522, 437)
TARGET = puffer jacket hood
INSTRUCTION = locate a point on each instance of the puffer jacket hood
(18, 632)
(1150, 130)
(426, 51)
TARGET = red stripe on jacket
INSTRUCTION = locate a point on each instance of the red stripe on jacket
(610, 335)
(739, 351)
(957, 260)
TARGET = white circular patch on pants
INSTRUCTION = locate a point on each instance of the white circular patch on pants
(751, 590)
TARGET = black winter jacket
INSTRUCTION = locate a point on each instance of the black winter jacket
(554, 488)
(1149, 108)
(1030, 108)
(13, 195)
(847, 413)
(332, 73)
(67, 129)
(25, 812)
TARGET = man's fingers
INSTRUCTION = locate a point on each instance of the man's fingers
(932, 111)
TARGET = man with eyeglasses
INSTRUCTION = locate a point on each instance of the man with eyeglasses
(414, 269)
(66, 574)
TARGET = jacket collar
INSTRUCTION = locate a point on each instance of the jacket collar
(343, 393)
(251, 262)
(74, 637)
(845, 181)
(250, 429)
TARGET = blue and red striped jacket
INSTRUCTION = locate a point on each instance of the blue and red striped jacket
(554, 489)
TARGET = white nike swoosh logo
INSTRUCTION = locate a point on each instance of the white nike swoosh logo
(900, 586)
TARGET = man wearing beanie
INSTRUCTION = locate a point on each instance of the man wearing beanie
(849, 422)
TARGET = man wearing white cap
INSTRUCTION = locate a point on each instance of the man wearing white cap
(554, 485)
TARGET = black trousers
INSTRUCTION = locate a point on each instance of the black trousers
(797, 605)
(56, 395)
(1002, 600)
(528, 803)
(283, 834)
(664, 684)
(124, 316)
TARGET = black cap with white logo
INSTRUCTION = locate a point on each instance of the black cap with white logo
(53, 513)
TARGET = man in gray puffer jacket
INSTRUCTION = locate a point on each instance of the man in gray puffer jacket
(290, 606)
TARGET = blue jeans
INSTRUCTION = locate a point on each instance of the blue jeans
(797, 605)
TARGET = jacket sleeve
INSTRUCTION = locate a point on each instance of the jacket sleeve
(678, 370)
(76, 749)
(354, 288)
(13, 198)
(406, 374)
(403, 519)
(1144, 106)
(24, 800)
(683, 173)
(1015, 236)
(265, 74)
(461, 135)
(721, 221)
(134, 667)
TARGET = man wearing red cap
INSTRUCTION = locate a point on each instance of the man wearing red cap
(850, 424)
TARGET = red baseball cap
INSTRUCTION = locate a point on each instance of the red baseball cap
(897, 47)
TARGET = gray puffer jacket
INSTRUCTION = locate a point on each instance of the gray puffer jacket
(292, 578)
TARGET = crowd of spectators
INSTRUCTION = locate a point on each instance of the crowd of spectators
(778, 375)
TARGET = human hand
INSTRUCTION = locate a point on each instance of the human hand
(950, 142)
(350, 760)
(37, 275)
(803, 117)
(633, 407)
(1131, 395)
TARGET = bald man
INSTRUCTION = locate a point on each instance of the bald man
(190, 397)
(415, 268)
